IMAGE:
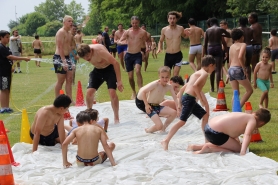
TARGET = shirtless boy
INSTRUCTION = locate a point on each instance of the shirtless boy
(248, 37)
(62, 63)
(237, 70)
(38, 48)
(146, 48)
(273, 44)
(188, 97)
(195, 51)
(135, 38)
(48, 127)
(106, 69)
(88, 137)
(223, 131)
(176, 82)
(213, 46)
(78, 38)
(172, 35)
(121, 47)
(151, 95)
(257, 38)
(100, 38)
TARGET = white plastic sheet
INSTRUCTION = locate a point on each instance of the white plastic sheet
(141, 159)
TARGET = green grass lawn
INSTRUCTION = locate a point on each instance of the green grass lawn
(35, 88)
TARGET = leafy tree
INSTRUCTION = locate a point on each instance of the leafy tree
(12, 24)
(23, 18)
(242, 8)
(49, 29)
(52, 9)
(76, 11)
(34, 21)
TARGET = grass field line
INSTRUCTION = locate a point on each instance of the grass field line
(51, 87)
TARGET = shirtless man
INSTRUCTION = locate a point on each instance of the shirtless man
(223, 131)
(78, 38)
(248, 37)
(146, 48)
(273, 44)
(213, 46)
(106, 69)
(61, 60)
(88, 136)
(121, 47)
(172, 34)
(38, 48)
(48, 127)
(135, 37)
(257, 38)
(195, 34)
(151, 95)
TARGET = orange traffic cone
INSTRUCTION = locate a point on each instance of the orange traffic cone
(185, 78)
(3, 132)
(256, 136)
(67, 115)
(221, 100)
(6, 173)
(61, 91)
(79, 95)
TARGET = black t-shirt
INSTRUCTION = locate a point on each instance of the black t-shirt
(5, 63)
(106, 39)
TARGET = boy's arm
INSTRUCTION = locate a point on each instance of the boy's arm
(106, 147)
(180, 95)
(41, 45)
(124, 37)
(65, 148)
(61, 129)
(205, 101)
(175, 98)
(33, 44)
(250, 126)
(162, 37)
(241, 57)
(60, 43)
(270, 42)
(143, 94)
(255, 74)
(198, 85)
(11, 57)
(270, 76)
(226, 33)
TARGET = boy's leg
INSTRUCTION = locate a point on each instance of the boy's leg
(132, 84)
(60, 81)
(106, 122)
(158, 125)
(90, 95)
(194, 147)
(103, 155)
(191, 61)
(5, 97)
(199, 58)
(36, 56)
(115, 104)
(169, 103)
(171, 133)
(263, 98)
(266, 101)
(139, 76)
(176, 70)
(39, 63)
(249, 90)
(170, 114)
(68, 85)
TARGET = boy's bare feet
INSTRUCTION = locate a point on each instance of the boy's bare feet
(164, 145)
(189, 148)
(116, 121)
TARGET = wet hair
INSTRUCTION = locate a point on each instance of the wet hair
(99, 32)
(208, 22)
(254, 15)
(62, 101)
(273, 32)
(120, 24)
(267, 51)
(83, 49)
(207, 60)
(93, 113)
(191, 21)
(224, 22)
(178, 80)
(67, 17)
(83, 117)
(135, 18)
(213, 21)
(263, 115)
(164, 69)
(37, 37)
(3, 33)
(243, 21)
(177, 14)
(236, 34)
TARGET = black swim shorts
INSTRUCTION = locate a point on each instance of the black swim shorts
(47, 140)
(172, 60)
(58, 64)
(5, 82)
(98, 76)
(216, 138)
(131, 60)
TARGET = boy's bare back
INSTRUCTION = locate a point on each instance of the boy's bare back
(200, 77)
(37, 44)
(234, 124)
(273, 42)
(88, 137)
(237, 52)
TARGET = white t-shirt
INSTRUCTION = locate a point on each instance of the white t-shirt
(13, 45)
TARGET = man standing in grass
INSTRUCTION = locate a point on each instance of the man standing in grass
(172, 34)
(61, 60)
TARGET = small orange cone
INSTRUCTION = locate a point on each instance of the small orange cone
(256, 136)
(3, 132)
(185, 78)
(67, 115)
(79, 95)
(221, 99)
(6, 173)
(61, 91)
